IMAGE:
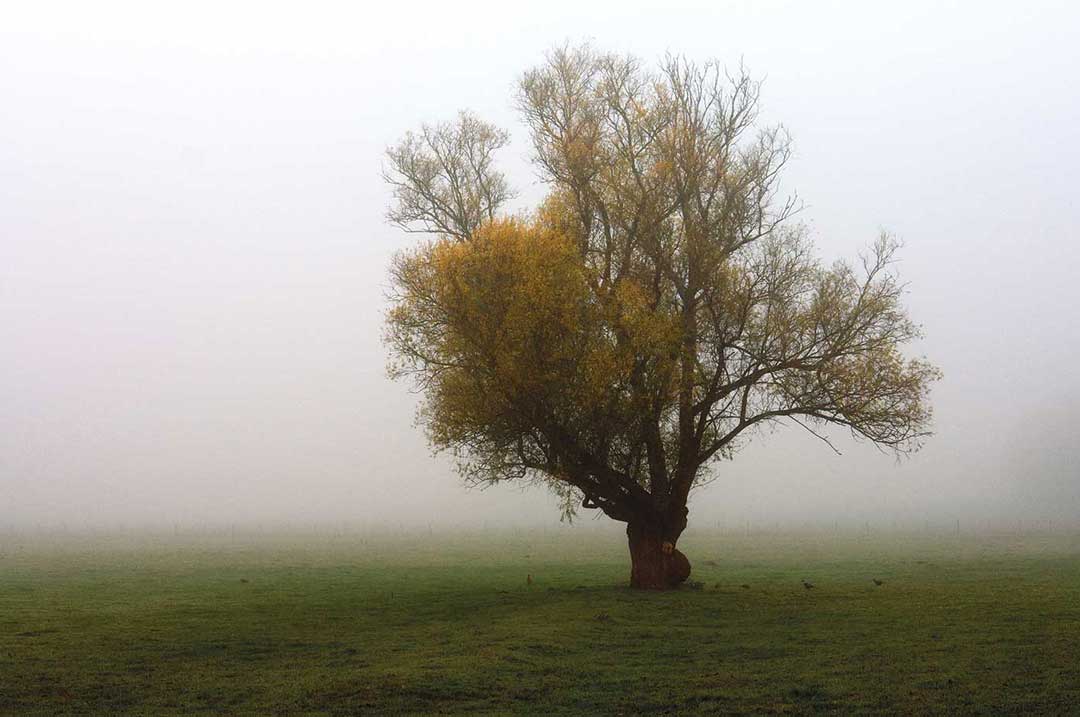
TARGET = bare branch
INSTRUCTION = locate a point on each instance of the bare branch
(443, 178)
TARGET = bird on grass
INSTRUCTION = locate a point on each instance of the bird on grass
(807, 584)
(879, 583)
(528, 579)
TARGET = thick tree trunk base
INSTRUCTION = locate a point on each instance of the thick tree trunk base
(655, 563)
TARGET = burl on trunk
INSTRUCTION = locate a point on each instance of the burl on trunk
(655, 563)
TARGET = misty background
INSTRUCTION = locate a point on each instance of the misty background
(193, 254)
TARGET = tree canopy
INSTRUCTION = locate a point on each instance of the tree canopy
(659, 305)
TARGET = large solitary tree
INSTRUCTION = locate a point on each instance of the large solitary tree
(654, 310)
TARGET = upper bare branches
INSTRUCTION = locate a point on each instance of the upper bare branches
(668, 166)
(443, 177)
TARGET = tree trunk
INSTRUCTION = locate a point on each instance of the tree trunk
(655, 564)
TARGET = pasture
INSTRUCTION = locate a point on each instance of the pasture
(417, 623)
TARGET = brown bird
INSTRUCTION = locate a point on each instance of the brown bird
(528, 579)
(744, 586)
(808, 585)
(879, 583)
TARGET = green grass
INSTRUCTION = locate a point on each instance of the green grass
(428, 624)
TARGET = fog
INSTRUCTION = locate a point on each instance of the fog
(193, 251)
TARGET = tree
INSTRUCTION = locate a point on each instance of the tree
(657, 308)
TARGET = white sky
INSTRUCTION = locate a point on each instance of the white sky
(193, 255)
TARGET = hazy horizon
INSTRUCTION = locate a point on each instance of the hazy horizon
(193, 251)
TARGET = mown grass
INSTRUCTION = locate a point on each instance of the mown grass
(430, 624)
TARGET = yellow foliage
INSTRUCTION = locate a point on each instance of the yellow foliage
(507, 325)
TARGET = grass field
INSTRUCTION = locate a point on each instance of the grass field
(446, 623)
